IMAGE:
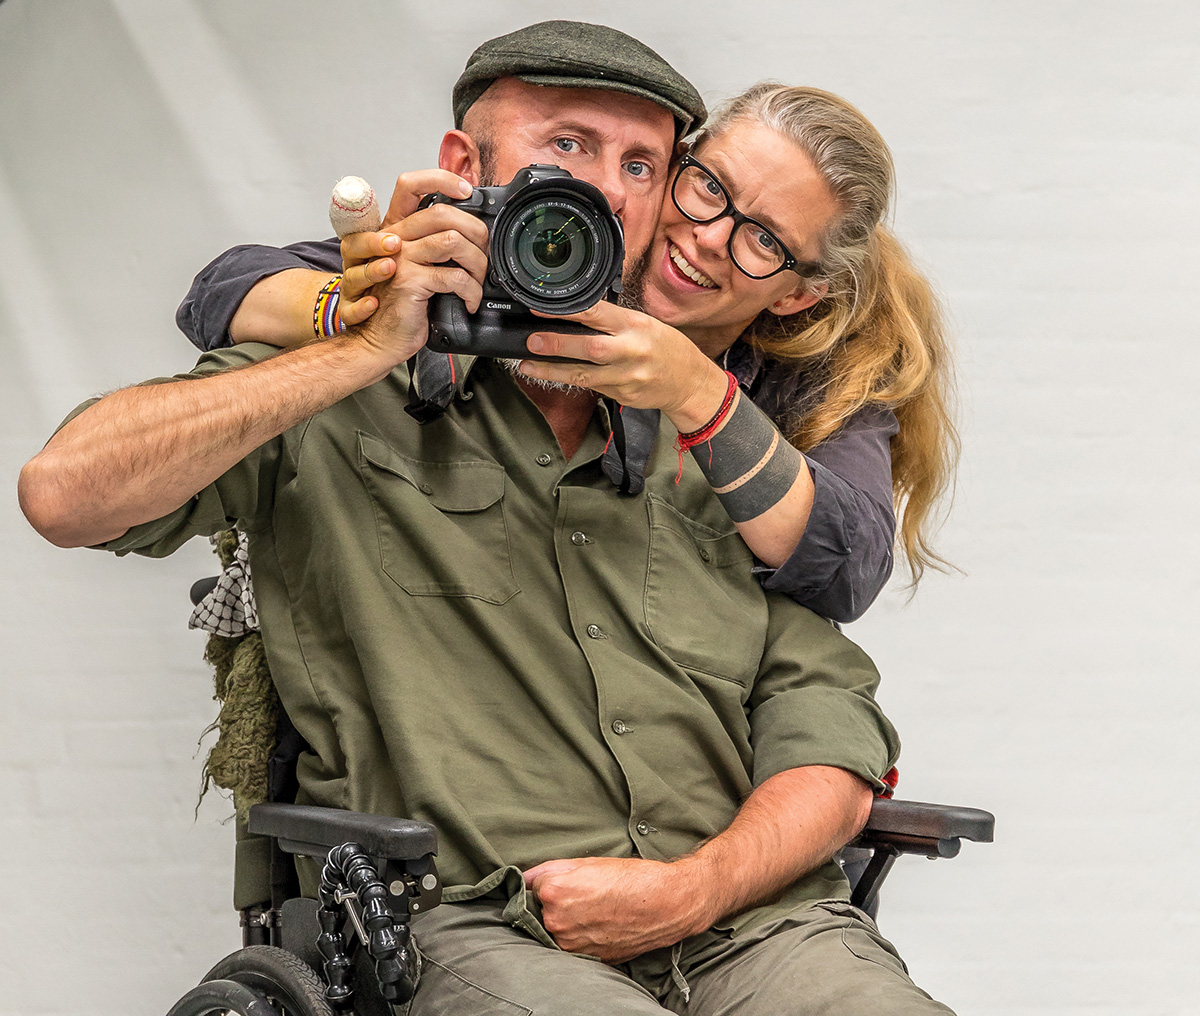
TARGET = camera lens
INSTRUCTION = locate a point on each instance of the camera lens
(553, 245)
(556, 247)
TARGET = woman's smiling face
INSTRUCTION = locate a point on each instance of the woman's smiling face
(690, 281)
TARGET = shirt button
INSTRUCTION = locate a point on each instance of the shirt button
(426, 489)
(594, 631)
(579, 539)
(543, 459)
(644, 828)
(704, 555)
(620, 727)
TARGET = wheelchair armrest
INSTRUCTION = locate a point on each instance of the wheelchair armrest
(313, 832)
(912, 827)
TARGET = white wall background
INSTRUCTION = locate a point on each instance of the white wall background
(1048, 155)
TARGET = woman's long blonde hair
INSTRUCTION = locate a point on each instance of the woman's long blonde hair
(877, 336)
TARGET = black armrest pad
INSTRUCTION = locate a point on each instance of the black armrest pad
(929, 821)
(305, 829)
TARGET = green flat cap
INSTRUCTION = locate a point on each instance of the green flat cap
(574, 54)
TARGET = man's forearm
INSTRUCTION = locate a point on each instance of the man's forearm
(619, 907)
(790, 825)
(141, 452)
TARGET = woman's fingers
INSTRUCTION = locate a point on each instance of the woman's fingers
(603, 316)
(592, 348)
(635, 359)
(597, 377)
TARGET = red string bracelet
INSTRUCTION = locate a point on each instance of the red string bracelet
(685, 442)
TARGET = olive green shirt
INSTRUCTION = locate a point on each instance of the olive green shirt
(470, 630)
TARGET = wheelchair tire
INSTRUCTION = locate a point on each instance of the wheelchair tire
(290, 984)
(217, 998)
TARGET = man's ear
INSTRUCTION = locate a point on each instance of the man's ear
(800, 298)
(459, 154)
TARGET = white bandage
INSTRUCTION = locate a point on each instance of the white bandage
(353, 208)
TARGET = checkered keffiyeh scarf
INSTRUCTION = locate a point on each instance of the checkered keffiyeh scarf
(229, 609)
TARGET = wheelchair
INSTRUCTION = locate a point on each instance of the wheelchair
(351, 950)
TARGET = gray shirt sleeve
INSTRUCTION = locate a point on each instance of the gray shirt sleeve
(219, 289)
(845, 556)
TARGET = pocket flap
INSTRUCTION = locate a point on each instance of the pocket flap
(468, 486)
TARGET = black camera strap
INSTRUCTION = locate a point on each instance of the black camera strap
(634, 432)
(433, 379)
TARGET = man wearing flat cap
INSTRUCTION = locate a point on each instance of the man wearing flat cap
(639, 763)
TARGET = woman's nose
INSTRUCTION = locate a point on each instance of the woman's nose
(713, 236)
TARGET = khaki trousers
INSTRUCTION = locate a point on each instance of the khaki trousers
(828, 959)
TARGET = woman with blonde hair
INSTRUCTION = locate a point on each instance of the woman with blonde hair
(850, 361)
(783, 332)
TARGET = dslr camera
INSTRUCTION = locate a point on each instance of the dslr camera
(554, 246)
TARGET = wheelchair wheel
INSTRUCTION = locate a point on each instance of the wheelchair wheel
(222, 998)
(286, 981)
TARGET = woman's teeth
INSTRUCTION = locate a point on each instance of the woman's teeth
(697, 277)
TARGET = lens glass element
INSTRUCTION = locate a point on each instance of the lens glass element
(554, 245)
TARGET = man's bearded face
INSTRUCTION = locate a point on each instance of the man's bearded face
(617, 142)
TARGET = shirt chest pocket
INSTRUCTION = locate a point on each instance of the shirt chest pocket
(704, 607)
(441, 525)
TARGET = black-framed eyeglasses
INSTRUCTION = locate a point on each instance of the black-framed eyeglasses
(753, 248)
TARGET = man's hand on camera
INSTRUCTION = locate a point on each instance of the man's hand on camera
(426, 240)
(370, 258)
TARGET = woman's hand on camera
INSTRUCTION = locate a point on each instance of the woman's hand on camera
(370, 258)
(637, 360)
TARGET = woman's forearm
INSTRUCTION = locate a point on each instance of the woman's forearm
(761, 480)
(278, 310)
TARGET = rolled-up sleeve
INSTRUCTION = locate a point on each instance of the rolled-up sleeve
(814, 702)
(844, 558)
(219, 289)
